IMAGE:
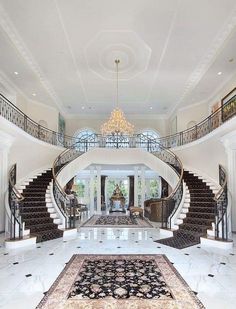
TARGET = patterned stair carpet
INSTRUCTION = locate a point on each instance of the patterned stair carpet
(116, 220)
(199, 218)
(119, 281)
(34, 210)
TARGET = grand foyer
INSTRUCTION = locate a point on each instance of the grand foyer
(117, 153)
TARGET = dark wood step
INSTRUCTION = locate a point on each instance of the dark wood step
(207, 209)
(48, 235)
(197, 221)
(30, 215)
(41, 227)
(37, 220)
(194, 228)
(203, 215)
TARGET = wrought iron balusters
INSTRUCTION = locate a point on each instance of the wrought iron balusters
(221, 208)
(15, 225)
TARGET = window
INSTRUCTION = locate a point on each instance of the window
(86, 139)
(147, 140)
(150, 134)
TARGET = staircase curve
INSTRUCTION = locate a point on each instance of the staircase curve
(169, 204)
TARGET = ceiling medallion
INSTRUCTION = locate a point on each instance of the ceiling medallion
(117, 123)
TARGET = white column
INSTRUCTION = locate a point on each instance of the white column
(136, 186)
(91, 190)
(148, 188)
(86, 191)
(229, 141)
(143, 186)
(98, 168)
(5, 144)
(106, 197)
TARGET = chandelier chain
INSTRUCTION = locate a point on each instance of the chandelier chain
(117, 124)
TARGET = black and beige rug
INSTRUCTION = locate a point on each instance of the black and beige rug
(119, 281)
(116, 220)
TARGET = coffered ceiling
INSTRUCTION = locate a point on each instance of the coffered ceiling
(171, 52)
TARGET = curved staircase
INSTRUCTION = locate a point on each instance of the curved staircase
(200, 215)
(34, 211)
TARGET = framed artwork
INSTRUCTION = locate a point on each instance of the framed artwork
(216, 115)
(228, 104)
(229, 96)
(61, 128)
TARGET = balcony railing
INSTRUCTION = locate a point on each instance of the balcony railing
(10, 112)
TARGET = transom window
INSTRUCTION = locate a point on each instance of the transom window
(84, 134)
(151, 134)
(87, 139)
(147, 140)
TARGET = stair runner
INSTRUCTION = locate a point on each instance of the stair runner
(34, 210)
(199, 218)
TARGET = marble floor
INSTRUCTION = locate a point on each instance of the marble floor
(27, 273)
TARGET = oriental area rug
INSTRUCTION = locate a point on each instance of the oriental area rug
(117, 220)
(119, 282)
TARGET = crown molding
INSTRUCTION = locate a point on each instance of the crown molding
(10, 30)
(208, 59)
(106, 116)
(42, 104)
(9, 85)
(192, 105)
(14, 89)
(217, 93)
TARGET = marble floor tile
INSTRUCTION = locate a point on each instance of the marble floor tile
(25, 274)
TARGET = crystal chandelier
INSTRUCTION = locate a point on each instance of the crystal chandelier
(117, 123)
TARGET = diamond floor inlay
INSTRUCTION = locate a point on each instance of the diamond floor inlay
(18, 291)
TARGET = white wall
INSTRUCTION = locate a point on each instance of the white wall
(22, 103)
(200, 110)
(204, 157)
(73, 125)
(207, 153)
(38, 111)
(29, 153)
(230, 85)
(195, 113)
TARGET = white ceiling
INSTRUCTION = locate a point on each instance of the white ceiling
(170, 52)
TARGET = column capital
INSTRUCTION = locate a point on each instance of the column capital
(98, 168)
(143, 168)
(91, 168)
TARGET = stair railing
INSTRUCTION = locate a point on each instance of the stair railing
(221, 213)
(64, 201)
(13, 114)
(169, 204)
(15, 198)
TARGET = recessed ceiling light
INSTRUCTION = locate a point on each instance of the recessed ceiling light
(150, 107)
(219, 73)
(16, 73)
(83, 107)
(34, 94)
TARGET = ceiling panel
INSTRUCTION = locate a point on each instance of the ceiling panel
(65, 51)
